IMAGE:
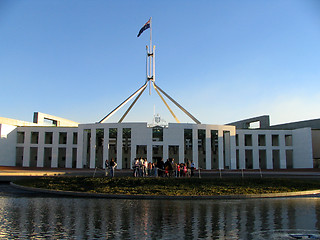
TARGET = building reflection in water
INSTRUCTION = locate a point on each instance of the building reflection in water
(80, 218)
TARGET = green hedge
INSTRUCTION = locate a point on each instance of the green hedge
(172, 186)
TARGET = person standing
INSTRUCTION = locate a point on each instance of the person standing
(160, 166)
(188, 163)
(135, 167)
(145, 169)
(192, 168)
(106, 165)
(113, 164)
(141, 167)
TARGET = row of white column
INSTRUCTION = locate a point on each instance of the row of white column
(227, 148)
(27, 145)
(269, 151)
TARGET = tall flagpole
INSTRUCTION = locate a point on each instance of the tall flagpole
(150, 79)
(150, 56)
(150, 33)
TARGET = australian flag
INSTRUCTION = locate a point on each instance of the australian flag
(145, 27)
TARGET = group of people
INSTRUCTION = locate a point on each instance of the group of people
(142, 168)
(109, 167)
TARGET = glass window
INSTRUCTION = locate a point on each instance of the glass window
(248, 140)
(288, 140)
(237, 140)
(275, 140)
(75, 138)
(34, 137)
(157, 134)
(20, 137)
(261, 140)
(48, 137)
(62, 138)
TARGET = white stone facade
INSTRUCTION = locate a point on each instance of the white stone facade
(209, 146)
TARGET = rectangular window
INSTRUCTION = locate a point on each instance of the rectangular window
(276, 159)
(34, 137)
(174, 152)
(275, 140)
(61, 157)
(249, 159)
(87, 147)
(289, 159)
(261, 140)
(19, 156)
(47, 157)
(188, 144)
(113, 133)
(248, 140)
(141, 151)
(202, 148)
(75, 138)
(99, 148)
(20, 137)
(237, 140)
(157, 134)
(74, 157)
(263, 159)
(188, 138)
(237, 159)
(48, 137)
(214, 149)
(288, 140)
(33, 156)
(62, 138)
(126, 147)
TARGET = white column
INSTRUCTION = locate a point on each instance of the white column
(92, 163)
(55, 145)
(233, 160)
(166, 152)
(242, 153)
(255, 151)
(208, 148)
(269, 151)
(40, 149)
(220, 143)
(149, 152)
(181, 152)
(80, 148)
(133, 152)
(195, 148)
(26, 149)
(69, 149)
(119, 148)
(283, 162)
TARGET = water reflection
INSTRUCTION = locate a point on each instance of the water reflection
(74, 218)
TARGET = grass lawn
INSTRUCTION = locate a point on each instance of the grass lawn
(172, 186)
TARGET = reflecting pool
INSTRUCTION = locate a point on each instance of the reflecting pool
(41, 217)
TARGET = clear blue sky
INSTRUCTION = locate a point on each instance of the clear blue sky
(222, 60)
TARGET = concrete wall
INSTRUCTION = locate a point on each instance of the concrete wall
(69, 154)
(302, 148)
(141, 134)
(7, 145)
(275, 148)
(27, 145)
